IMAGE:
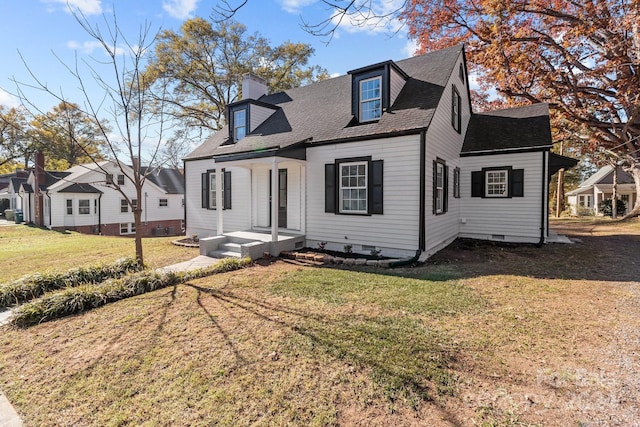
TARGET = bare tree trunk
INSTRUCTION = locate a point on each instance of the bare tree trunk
(560, 193)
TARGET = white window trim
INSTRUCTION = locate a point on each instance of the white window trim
(166, 203)
(123, 179)
(439, 188)
(362, 101)
(88, 207)
(365, 187)
(489, 185)
(236, 126)
(124, 204)
(66, 207)
(212, 189)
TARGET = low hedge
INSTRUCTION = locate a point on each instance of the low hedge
(77, 299)
(34, 285)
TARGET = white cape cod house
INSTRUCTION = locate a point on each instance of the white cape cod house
(84, 199)
(389, 158)
(586, 199)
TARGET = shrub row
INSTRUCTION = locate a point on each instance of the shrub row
(77, 299)
(34, 285)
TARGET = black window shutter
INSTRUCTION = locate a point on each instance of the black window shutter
(227, 190)
(445, 189)
(517, 183)
(205, 190)
(376, 192)
(477, 184)
(330, 188)
(435, 188)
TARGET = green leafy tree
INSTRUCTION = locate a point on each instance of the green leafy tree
(16, 144)
(204, 63)
(68, 137)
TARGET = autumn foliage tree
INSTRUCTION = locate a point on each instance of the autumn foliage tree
(582, 57)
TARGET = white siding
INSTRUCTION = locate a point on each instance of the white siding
(109, 202)
(258, 115)
(203, 222)
(396, 85)
(518, 219)
(396, 231)
(443, 142)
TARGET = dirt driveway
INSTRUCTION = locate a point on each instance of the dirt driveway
(571, 355)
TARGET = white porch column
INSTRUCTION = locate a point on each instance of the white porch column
(219, 201)
(274, 200)
(303, 199)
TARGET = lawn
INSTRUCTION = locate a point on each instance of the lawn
(26, 249)
(487, 335)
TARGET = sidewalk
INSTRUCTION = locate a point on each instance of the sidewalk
(196, 263)
(8, 416)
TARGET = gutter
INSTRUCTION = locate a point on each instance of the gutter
(50, 220)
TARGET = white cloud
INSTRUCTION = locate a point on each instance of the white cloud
(87, 7)
(88, 47)
(180, 9)
(411, 47)
(8, 100)
(381, 17)
(294, 6)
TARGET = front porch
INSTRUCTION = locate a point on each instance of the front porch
(251, 243)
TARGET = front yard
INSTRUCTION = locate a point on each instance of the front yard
(480, 335)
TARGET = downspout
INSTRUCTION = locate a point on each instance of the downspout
(422, 210)
(545, 196)
(50, 223)
(100, 214)
(145, 208)
(406, 261)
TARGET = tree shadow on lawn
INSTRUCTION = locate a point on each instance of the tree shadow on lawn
(408, 361)
(601, 258)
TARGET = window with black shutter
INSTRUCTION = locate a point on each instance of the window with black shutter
(497, 182)
(354, 186)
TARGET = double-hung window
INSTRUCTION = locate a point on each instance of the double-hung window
(497, 183)
(353, 187)
(456, 118)
(370, 99)
(69, 204)
(239, 124)
(84, 207)
(124, 206)
(440, 186)
(163, 203)
(212, 190)
(120, 179)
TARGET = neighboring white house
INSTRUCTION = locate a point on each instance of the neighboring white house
(389, 157)
(84, 199)
(585, 199)
(10, 188)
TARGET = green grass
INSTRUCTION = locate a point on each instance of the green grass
(25, 249)
(416, 296)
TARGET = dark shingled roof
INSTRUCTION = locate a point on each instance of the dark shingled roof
(16, 183)
(321, 112)
(27, 187)
(170, 180)
(80, 188)
(509, 130)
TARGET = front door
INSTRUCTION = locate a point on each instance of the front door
(282, 198)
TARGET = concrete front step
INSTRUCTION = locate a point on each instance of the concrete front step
(225, 254)
(231, 247)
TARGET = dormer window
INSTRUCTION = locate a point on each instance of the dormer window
(239, 124)
(370, 99)
(374, 89)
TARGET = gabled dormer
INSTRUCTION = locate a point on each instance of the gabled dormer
(246, 115)
(374, 89)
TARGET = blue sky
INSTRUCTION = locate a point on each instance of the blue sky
(43, 29)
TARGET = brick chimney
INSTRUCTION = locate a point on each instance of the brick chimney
(40, 180)
(253, 87)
